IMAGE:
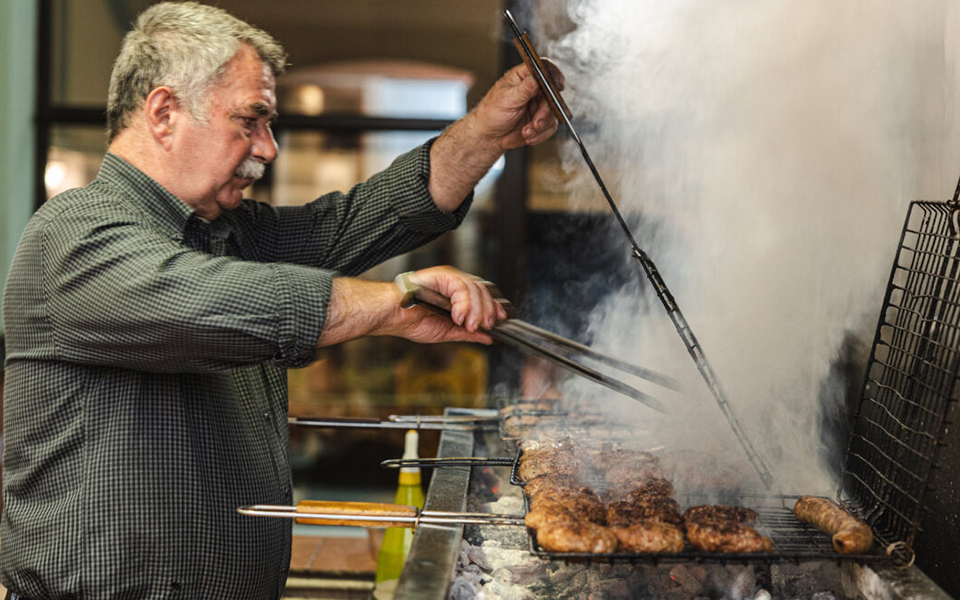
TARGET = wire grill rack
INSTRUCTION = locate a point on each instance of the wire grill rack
(910, 383)
(791, 539)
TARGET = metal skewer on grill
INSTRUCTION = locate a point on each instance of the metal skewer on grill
(487, 419)
(373, 514)
(563, 114)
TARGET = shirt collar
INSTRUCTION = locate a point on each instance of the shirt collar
(169, 212)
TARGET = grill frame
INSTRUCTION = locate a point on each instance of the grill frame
(910, 384)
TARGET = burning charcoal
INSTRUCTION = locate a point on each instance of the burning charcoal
(472, 535)
(682, 577)
(478, 557)
(503, 576)
(612, 588)
(585, 580)
(499, 591)
(464, 588)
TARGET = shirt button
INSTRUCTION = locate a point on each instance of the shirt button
(266, 416)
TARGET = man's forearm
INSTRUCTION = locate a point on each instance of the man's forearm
(358, 308)
(459, 158)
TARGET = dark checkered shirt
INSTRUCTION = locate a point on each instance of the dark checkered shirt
(146, 392)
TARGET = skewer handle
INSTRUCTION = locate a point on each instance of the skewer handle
(356, 514)
(531, 58)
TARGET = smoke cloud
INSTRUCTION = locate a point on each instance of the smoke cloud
(764, 153)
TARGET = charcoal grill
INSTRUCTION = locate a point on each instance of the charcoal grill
(906, 402)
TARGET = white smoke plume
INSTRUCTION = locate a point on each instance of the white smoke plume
(773, 147)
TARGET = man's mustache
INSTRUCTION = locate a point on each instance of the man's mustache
(251, 169)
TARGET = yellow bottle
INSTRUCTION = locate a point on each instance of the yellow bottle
(397, 540)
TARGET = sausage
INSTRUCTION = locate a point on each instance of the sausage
(850, 535)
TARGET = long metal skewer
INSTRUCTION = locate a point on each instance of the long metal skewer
(683, 328)
(380, 424)
(448, 461)
(426, 516)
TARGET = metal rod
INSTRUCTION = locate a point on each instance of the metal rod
(683, 328)
(658, 378)
(562, 361)
(511, 338)
(442, 418)
(432, 517)
(450, 461)
(375, 424)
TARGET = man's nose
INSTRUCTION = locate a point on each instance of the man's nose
(264, 145)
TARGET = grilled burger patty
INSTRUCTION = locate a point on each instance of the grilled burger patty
(576, 536)
(719, 513)
(726, 537)
(650, 536)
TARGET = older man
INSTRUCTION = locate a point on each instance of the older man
(150, 317)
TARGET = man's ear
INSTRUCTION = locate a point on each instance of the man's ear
(160, 109)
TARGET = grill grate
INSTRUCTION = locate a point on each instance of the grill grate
(911, 378)
(791, 539)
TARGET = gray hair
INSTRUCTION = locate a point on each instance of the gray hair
(183, 45)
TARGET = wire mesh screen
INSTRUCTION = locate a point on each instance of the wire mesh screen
(910, 383)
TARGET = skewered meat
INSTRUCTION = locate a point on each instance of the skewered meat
(719, 536)
(576, 536)
(651, 508)
(719, 513)
(651, 536)
(849, 534)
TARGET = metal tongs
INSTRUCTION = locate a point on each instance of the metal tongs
(546, 345)
(563, 114)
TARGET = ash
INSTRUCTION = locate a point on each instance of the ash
(495, 562)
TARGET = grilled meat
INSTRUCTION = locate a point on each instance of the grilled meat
(581, 504)
(719, 536)
(576, 536)
(623, 467)
(652, 508)
(545, 512)
(655, 486)
(650, 536)
(849, 534)
(546, 459)
(714, 513)
(549, 483)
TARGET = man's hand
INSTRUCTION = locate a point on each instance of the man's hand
(358, 308)
(514, 113)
